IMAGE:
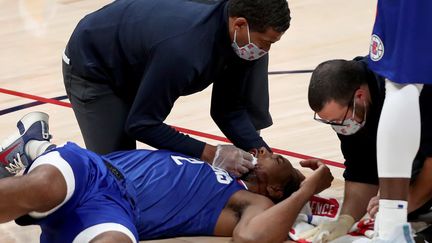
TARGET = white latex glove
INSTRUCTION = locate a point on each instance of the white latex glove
(232, 159)
(330, 230)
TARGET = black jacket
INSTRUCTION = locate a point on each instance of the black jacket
(359, 149)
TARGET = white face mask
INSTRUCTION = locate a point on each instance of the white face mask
(350, 125)
(249, 51)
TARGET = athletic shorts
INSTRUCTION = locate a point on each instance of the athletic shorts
(96, 201)
(401, 42)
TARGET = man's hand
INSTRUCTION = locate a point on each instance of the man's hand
(330, 230)
(373, 206)
(232, 159)
(320, 178)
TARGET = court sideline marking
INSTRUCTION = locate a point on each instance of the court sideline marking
(38, 100)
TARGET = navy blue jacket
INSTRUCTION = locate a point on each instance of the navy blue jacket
(154, 51)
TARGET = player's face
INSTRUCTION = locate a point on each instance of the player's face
(273, 169)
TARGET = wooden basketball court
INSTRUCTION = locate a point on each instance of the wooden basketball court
(33, 34)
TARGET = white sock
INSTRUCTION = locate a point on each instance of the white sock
(391, 213)
(34, 148)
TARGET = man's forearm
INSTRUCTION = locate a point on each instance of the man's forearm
(356, 198)
(163, 136)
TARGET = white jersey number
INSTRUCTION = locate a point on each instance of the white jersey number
(221, 175)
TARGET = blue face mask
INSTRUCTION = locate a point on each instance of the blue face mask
(249, 51)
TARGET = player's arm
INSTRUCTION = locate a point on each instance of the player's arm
(261, 222)
(421, 189)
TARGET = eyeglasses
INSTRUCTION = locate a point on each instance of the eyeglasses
(337, 123)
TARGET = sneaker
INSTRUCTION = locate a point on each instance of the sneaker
(400, 234)
(13, 159)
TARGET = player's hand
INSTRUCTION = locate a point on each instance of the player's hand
(373, 206)
(320, 178)
(329, 230)
(232, 159)
(311, 163)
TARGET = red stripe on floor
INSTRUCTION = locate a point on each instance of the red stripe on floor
(184, 130)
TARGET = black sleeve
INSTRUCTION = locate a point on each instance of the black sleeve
(426, 120)
(359, 151)
(257, 94)
(168, 73)
(240, 103)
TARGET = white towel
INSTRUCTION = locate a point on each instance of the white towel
(320, 209)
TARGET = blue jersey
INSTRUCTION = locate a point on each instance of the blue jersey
(401, 44)
(154, 194)
(176, 194)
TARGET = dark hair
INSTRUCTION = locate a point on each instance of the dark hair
(262, 14)
(290, 187)
(335, 80)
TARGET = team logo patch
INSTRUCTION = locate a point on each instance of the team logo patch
(376, 51)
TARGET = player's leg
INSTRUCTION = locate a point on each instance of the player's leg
(112, 237)
(398, 140)
(91, 202)
(13, 157)
(100, 113)
(107, 233)
(105, 217)
(38, 191)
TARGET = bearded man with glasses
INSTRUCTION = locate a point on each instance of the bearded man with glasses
(348, 96)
